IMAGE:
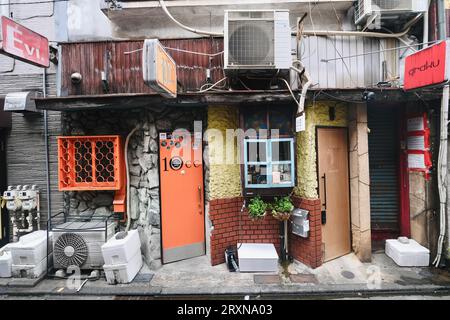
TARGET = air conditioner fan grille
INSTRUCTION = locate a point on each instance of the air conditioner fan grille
(70, 249)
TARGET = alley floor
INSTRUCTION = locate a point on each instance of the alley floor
(342, 277)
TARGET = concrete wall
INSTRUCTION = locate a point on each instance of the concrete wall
(316, 115)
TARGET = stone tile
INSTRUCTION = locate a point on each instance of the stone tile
(363, 168)
(267, 279)
(303, 278)
(364, 206)
(353, 164)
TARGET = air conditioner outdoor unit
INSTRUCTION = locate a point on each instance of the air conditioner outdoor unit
(79, 244)
(386, 9)
(257, 40)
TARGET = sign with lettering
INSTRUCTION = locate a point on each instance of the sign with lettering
(159, 69)
(23, 44)
(427, 67)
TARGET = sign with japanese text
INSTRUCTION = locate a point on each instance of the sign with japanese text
(24, 44)
(159, 69)
(418, 143)
(427, 67)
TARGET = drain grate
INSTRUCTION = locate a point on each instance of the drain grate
(267, 279)
(143, 277)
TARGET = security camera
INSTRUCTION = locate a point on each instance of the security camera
(368, 96)
(76, 77)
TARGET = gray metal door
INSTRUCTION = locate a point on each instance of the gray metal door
(383, 164)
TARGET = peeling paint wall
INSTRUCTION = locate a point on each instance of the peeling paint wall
(317, 114)
(223, 154)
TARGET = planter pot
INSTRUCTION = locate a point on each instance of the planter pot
(282, 216)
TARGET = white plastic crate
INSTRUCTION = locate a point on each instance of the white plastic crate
(30, 249)
(409, 254)
(121, 251)
(5, 264)
(30, 271)
(123, 273)
(257, 257)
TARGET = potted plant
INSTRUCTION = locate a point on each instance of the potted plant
(282, 208)
(257, 208)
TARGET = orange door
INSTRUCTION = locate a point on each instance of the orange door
(182, 204)
(334, 191)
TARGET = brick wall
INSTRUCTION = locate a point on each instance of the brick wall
(308, 250)
(232, 226)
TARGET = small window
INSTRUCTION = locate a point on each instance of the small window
(269, 163)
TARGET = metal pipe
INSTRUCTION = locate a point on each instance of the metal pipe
(426, 21)
(47, 162)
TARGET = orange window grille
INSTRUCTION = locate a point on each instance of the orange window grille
(90, 163)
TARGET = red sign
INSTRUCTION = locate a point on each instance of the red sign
(23, 44)
(427, 67)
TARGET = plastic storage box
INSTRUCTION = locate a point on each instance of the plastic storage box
(121, 251)
(30, 249)
(5, 264)
(123, 273)
(257, 257)
(409, 254)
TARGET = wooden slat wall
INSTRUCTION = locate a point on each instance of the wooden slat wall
(125, 70)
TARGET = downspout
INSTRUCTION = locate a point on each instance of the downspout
(426, 22)
(47, 162)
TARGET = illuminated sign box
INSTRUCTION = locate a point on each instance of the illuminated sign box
(159, 69)
(23, 44)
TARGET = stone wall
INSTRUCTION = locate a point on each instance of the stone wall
(143, 160)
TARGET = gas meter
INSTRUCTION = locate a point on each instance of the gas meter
(11, 198)
(28, 197)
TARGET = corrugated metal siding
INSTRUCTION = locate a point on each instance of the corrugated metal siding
(25, 143)
(383, 166)
(360, 71)
(125, 70)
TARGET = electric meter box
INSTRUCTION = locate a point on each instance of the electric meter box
(300, 223)
(20, 102)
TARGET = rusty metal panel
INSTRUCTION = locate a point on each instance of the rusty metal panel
(124, 71)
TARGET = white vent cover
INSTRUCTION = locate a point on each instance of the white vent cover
(386, 8)
(259, 39)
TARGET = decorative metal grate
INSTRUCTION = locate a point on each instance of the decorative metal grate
(90, 163)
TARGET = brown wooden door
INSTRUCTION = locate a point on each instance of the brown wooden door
(334, 191)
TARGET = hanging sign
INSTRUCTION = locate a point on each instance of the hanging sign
(427, 67)
(23, 44)
(159, 69)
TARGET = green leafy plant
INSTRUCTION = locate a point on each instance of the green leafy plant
(257, 208)
(282, 208)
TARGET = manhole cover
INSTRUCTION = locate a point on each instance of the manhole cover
(348, 274)
(303, 278)
(267, 279)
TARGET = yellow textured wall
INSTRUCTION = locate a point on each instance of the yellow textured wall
(317, 114)
(225, 178)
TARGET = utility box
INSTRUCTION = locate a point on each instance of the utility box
(20, 102)
(407, 253)
(257, 257)
(300, 223)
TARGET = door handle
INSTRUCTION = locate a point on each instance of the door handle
(324, 211)
(200, 199)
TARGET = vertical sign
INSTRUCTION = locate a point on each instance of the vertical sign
(23, 44)
(418, 137)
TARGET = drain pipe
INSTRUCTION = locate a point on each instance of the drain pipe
(128, 200)
(47, 162)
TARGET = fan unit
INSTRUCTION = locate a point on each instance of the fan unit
(387, 9)
(79, 244)
(257, 40)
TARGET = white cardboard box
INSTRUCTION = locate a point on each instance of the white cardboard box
(123, 273)
(123, 250)
(5, 264)
(30, 249)
(409, 254)
(257, 257)
(31, 271)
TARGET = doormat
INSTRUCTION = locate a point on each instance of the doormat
(303, 278)
(267, 279)
(143, 277)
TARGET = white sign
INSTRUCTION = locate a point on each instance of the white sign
(300, 124)
(415, 124)
(416, 161)
(416, 143)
